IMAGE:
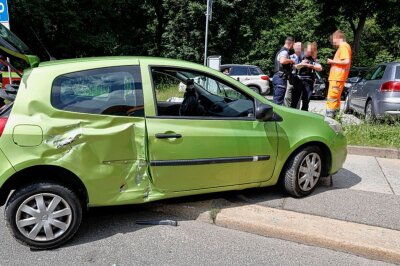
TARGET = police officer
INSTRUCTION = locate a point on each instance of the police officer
(293, 91)
(283, 69)
(306, 74)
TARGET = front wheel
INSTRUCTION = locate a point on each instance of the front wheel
(303, 171)
(43, 215)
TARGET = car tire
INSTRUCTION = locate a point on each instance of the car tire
(303, 171)
(43, 215)
(347, 109)
(369, 112)
(256, 89)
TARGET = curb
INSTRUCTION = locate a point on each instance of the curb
(375, 152)
(364, 240)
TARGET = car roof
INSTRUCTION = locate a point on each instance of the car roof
(231, 65)
(108, 59)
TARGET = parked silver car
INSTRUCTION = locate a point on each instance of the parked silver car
(377, 93)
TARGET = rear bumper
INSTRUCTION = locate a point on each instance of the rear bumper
(388, 107)
(6, 170)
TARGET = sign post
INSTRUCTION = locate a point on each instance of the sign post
(208, 19)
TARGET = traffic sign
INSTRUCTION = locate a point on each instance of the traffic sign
(4, 11)
(4, 18)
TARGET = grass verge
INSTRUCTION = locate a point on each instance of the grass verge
(374, 134)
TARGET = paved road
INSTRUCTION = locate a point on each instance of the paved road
(109, 236)
(366, 190)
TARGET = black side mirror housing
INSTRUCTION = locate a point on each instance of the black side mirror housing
(264, 112)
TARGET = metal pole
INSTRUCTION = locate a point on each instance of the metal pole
(9, 72)
(206, 37)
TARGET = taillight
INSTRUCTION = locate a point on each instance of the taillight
(265, 77)
(3, 122)
(390, 86)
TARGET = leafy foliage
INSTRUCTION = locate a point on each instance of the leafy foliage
(241, 31)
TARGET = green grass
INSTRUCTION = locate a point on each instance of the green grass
(166, 92)
(374, 134)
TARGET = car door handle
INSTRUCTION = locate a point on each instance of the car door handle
(168, 136)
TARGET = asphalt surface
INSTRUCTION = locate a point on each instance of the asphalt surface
(366, 190)
(109, 236)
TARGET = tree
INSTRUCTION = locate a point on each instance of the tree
(355, 12)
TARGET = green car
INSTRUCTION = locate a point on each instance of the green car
(109, 131)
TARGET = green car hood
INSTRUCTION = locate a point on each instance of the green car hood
(11, 45)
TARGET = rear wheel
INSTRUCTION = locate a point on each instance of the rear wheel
(43, 215)
(369, 112)
(303, 171)
(256, 89)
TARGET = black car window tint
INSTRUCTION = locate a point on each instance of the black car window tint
(397, 75)
(255, 71)
(379, 73)
(370, 73)
(104, 91)
(239, 71)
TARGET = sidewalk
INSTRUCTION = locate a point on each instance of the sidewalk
(360, 203)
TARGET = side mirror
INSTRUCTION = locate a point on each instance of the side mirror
(264, 112)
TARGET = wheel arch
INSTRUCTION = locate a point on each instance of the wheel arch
(326, 152)
(34, 174)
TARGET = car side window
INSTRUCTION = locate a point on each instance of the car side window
(239, 71)
(369, 74)
(104, 91)
(255, 71)
(379, 73)
(183, 93)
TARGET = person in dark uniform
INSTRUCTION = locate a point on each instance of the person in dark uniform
(306, 73)
(283, 69)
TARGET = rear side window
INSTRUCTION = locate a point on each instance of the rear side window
(255, 71)
(379, 73)
(239, 71)
(397, 76)
(104, 91)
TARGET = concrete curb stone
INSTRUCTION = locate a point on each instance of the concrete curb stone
(390, 153)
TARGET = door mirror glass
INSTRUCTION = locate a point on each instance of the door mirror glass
(264, 112)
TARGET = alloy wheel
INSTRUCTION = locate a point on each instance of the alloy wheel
(43, 217)
(309, 172)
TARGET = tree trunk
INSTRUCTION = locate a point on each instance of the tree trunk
(357, 31)
(159, 10)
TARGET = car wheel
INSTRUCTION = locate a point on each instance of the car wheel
(347, 109)
(43, 215)
(255, 89)
(303, 171)
(369, 112)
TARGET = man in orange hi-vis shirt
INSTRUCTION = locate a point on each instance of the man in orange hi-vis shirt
(340, 68)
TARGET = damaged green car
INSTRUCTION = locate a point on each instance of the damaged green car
(93, 132)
